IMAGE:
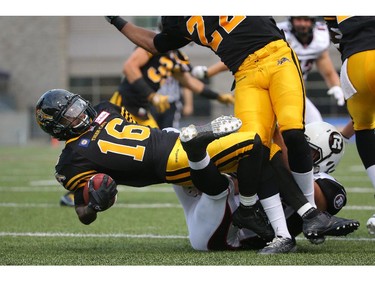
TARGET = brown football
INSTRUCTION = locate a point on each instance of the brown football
(97, 180)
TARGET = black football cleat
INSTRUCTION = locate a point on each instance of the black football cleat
(279, 245)
(255, 220)
(325, 224)
(195, 138)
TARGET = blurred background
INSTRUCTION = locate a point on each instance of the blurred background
(85, 54)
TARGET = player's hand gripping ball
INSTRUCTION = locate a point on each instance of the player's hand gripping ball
(100, 192)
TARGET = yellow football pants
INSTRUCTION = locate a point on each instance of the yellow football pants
(270, 88)
(361, 73)
(224, 152)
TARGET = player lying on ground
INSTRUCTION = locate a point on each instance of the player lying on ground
(104, 140)
(209, 218)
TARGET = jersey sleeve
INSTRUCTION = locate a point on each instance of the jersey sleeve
(165, 42)
(71, 172)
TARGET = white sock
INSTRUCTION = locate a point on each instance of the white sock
(201, 164)
(275, 213)
(301, 211)
(371, 174)
(248, 200)
(305, 182)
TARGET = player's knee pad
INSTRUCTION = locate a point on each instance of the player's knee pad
(366, 146)
(293, 137)
(299, 152)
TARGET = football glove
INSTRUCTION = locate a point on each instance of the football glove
(199, 72)
(337, 92)
(160, 102)
(99, 200)
(226, 98)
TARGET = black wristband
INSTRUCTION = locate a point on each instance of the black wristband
(208, 93)
(141, 86)
(119, 23)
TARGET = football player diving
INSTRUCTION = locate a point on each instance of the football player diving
(104, 139)
(150, 90)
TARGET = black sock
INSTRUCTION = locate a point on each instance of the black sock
(209, 180)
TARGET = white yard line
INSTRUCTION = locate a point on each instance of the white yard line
(137, 236)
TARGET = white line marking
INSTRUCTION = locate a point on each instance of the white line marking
(103, 235)
(139, 236)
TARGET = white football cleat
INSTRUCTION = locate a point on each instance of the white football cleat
(195, 139)
(371, 225)
(221, 126)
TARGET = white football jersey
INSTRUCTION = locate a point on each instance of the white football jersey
(307, 55)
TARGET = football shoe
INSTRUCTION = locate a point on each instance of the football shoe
(255, 219)
(195, 139)
(279, 245)
(371, 225)
(324, 224)
(67, 199)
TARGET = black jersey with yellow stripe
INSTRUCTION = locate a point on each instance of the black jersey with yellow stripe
(131, 154)
(232, 38)
(358, 33)
(155, 72)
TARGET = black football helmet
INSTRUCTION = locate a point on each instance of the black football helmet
(63, 114)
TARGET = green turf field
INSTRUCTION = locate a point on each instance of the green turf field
(146, 225)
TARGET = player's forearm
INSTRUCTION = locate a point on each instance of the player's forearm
(216, 68)
(327, 70)
(140, 36)
(131, 72)
(332, 79)
(348, 130)
(189, 81)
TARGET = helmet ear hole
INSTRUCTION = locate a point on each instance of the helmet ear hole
(327, 146)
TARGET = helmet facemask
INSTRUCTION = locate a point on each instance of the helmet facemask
(75, 117)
